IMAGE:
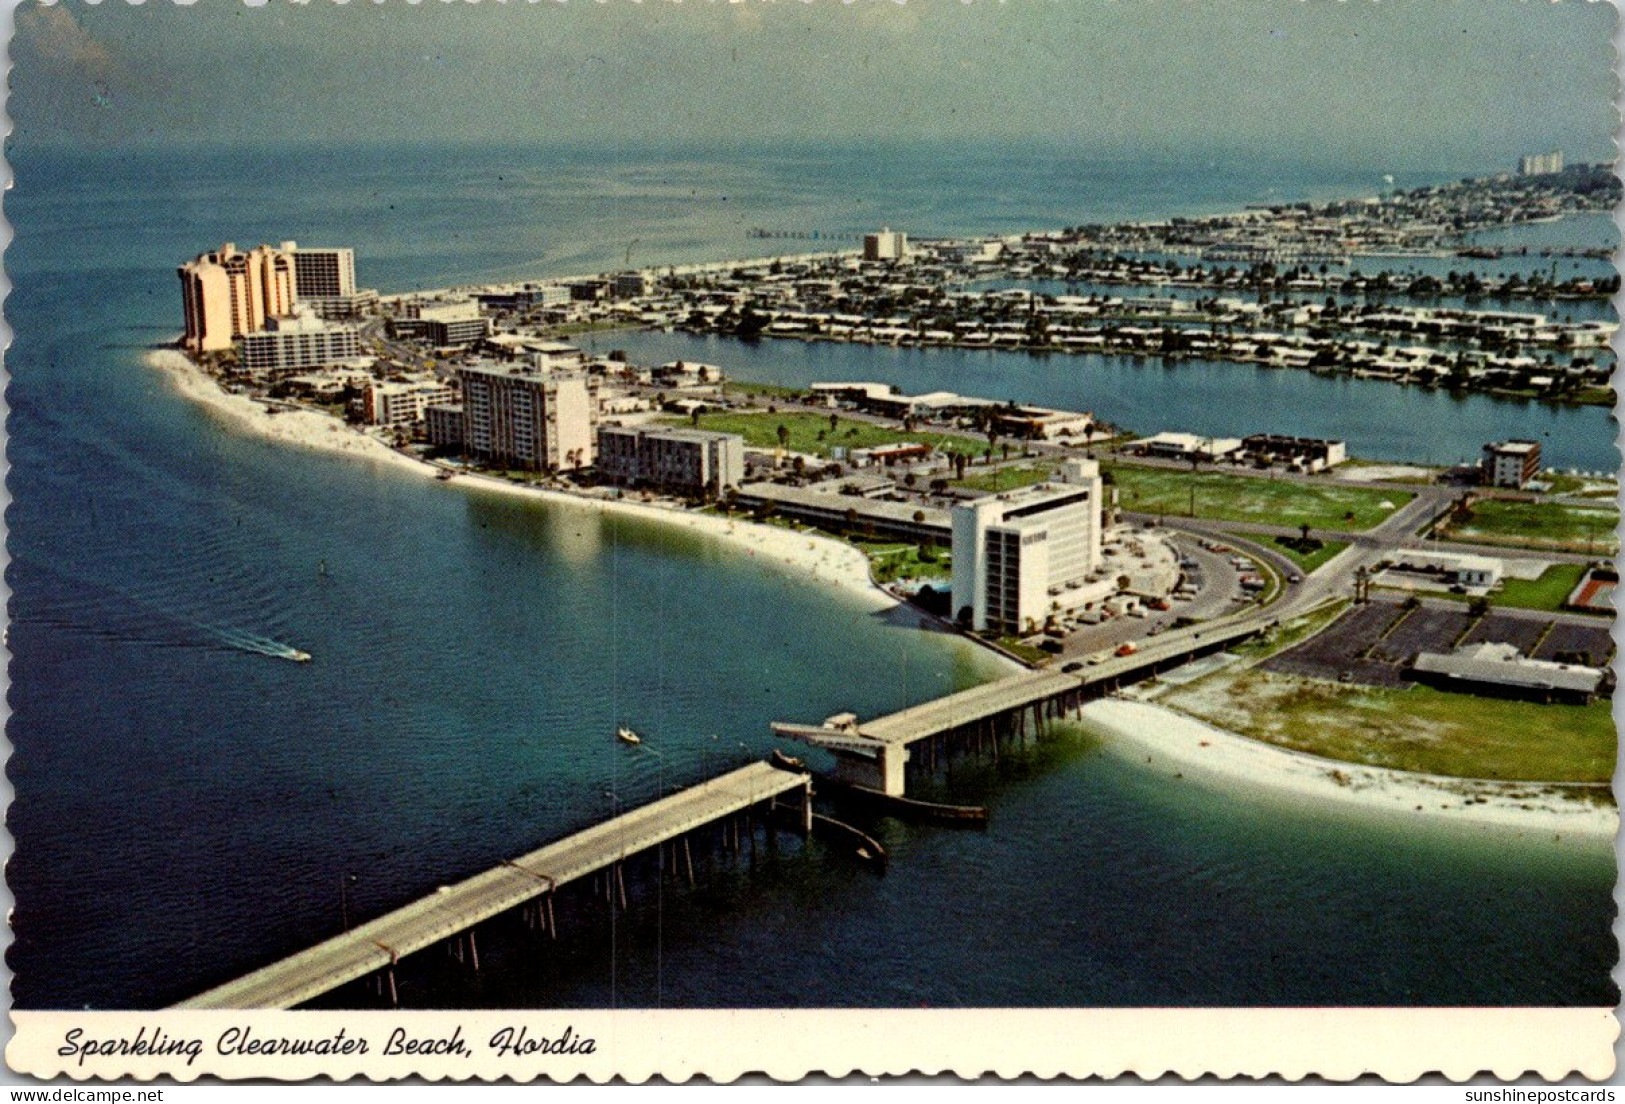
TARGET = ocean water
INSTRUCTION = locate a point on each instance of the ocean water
(190, 806)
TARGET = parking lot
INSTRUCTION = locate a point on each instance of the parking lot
(1373, 644)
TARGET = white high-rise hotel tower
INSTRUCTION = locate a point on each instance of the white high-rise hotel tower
(1022, 556)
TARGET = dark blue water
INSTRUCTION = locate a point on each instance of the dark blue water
(188, 805)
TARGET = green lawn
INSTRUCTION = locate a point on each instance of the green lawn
(1549, 525)
(810, 433)
(1027, 652)
(1006, 479)
(1286, 546)
(1227, 497)
(763, 390)
(1561, 483)
(895, 560)
(1418, 729)
(1545, 593)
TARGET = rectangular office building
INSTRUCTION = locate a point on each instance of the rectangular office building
(1020, 557)
(696, 461)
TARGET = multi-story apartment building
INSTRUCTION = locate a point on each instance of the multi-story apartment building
(695, 461)
(403, 404)
(1022, 556)
(228, 294)
(443, 425)
(888, 245)
(296, 342)
(1511, 463)
(536, 421)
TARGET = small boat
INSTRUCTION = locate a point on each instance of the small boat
(627, 736)
(787, 762)
(300, 657)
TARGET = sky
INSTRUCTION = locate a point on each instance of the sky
(1418, 84)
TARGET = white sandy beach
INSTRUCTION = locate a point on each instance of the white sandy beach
(809, 553)
(1168, 739)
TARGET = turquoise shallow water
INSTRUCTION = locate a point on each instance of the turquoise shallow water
(188, 806)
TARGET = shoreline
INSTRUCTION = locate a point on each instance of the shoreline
(1132, 726)
(1167, 738)
(807, 553)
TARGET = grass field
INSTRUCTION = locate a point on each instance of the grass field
(1419, 729)
(1248, 498)
(810, 433)
(1306, 561)
(1545, 593)
(1007, 479)
(1538, 525)
(894, 560)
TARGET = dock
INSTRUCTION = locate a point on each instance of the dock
(454, 910)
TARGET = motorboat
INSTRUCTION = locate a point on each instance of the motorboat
(627, 736)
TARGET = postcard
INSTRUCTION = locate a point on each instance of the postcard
(694, 539)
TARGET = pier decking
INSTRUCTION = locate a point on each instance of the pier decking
(379, 944)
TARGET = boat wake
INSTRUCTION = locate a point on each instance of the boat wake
(78, 604)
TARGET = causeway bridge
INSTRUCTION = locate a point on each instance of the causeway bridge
(528, 881)
(873, 754)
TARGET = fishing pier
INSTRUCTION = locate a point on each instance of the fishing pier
(873, 755)
(731, 802)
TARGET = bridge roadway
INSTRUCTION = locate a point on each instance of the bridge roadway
(451, 910)
(872, 753)
(1007, 695)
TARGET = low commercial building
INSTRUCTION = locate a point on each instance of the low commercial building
(526, 298)
(403, 404)
(628, 285)
(1187, 446)
(1453, 568)
(1040, 423)
(1502, 669)
(534, 421)
(1020, 557)
(695, 461)
(844, 513)
(295, 343)
(1510, 463)
(1310, 454)
(442, 324)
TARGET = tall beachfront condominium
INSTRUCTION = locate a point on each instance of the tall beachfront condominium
(324, 280)
(228, 294)
(529, 420)
(321, 273)
(678, 458)
(1020, 557)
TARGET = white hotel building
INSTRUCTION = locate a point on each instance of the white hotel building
(1022, 556)
(521, 418)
